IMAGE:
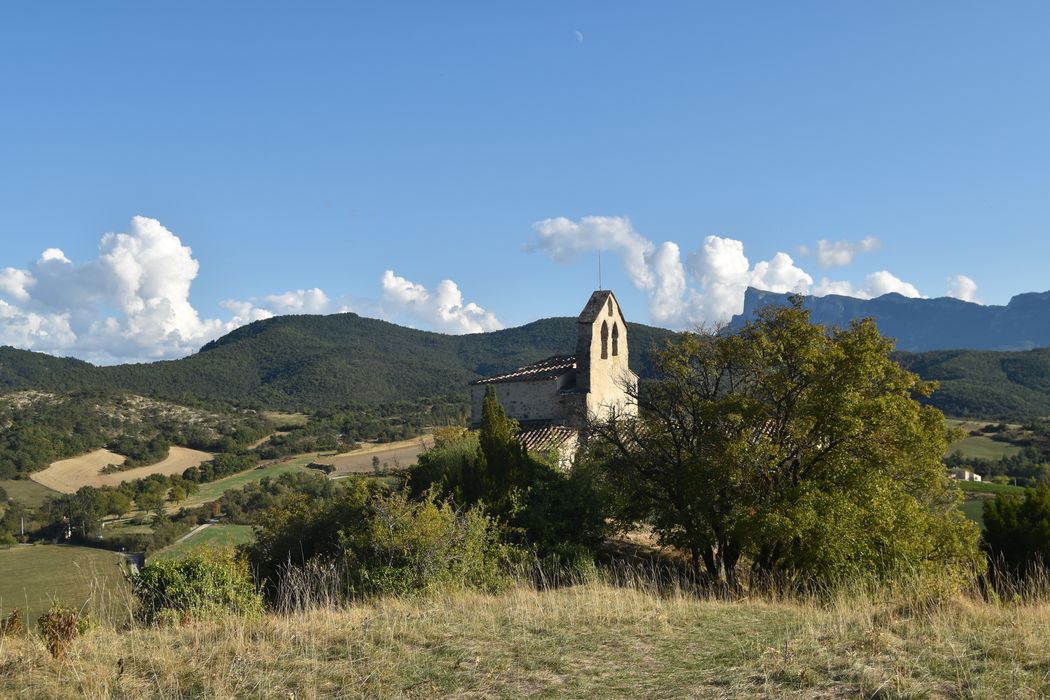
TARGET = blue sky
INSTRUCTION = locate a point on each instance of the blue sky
(355, 156)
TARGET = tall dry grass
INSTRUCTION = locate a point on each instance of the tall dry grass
(621, 633)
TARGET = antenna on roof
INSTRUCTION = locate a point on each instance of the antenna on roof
(599, 270)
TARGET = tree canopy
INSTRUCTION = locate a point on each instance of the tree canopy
(1017, 532)
(799, 450)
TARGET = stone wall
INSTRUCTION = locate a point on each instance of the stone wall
(539, 399)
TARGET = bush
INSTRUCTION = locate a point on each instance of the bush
(60, 626)
(542, 506)
(380, 544)
(418, 546)
(13, 624)
(194, 587)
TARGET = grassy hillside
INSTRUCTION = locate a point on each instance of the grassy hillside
(586, 641)
(213, 536)
(36, 576)
(310, 362)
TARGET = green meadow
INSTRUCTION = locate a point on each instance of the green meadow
(32, 577)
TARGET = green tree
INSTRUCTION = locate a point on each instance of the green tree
(149, 500)
(802, 448)
(117, 503)
(1017, 532)
(504, 464)
(555, 512)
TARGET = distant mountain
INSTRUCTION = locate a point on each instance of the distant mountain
(312, 362)
(919, 325)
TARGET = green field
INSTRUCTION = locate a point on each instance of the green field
(35, 576)
(26, 492)
(212, 536)
(989, 487)
(980, 447)
(974, 510)
(213, 490)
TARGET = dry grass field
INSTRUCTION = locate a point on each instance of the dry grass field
(68, 475)
(393, 454)
(594, 641)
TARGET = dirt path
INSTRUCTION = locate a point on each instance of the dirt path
(266, 439)
(68, 475)
(189, 534)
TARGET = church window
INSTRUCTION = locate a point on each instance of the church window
(616, 340)
(610, 306)
(605, 340)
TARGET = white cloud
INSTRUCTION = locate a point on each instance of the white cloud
(53, 254)
(875, 285)
(563, 240)
(146, 275)
(300, 301)
(709, 287)
(839, 287)
(962, 287)
(883, 282)
(443, 309)
(15, 283)
(841, 253)
(27, 329)
(132, 302)
(719, 269)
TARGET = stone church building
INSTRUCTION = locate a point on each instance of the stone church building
(553, 399)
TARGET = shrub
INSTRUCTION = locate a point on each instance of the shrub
(13, 624)
(197, 586)
(427, 545)
(380, 544)
(541, 506)
(60, 626)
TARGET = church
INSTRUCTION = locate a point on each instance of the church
(555, 398)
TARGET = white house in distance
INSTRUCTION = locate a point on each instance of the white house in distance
(553, 399)
(964, 475)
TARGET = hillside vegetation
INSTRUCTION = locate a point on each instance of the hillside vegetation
(316, 362)
(986, 384)
(311, 362)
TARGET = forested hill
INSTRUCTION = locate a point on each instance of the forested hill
(986, 384)
(314, 362)
(311, 362)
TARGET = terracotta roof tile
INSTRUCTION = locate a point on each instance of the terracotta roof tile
(544, 369)
(547, 437)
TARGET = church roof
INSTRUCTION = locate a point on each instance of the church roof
(553, 366)
(545, 437)
(596, 306)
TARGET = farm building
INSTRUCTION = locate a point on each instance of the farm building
(964, 475)
(555, 398)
